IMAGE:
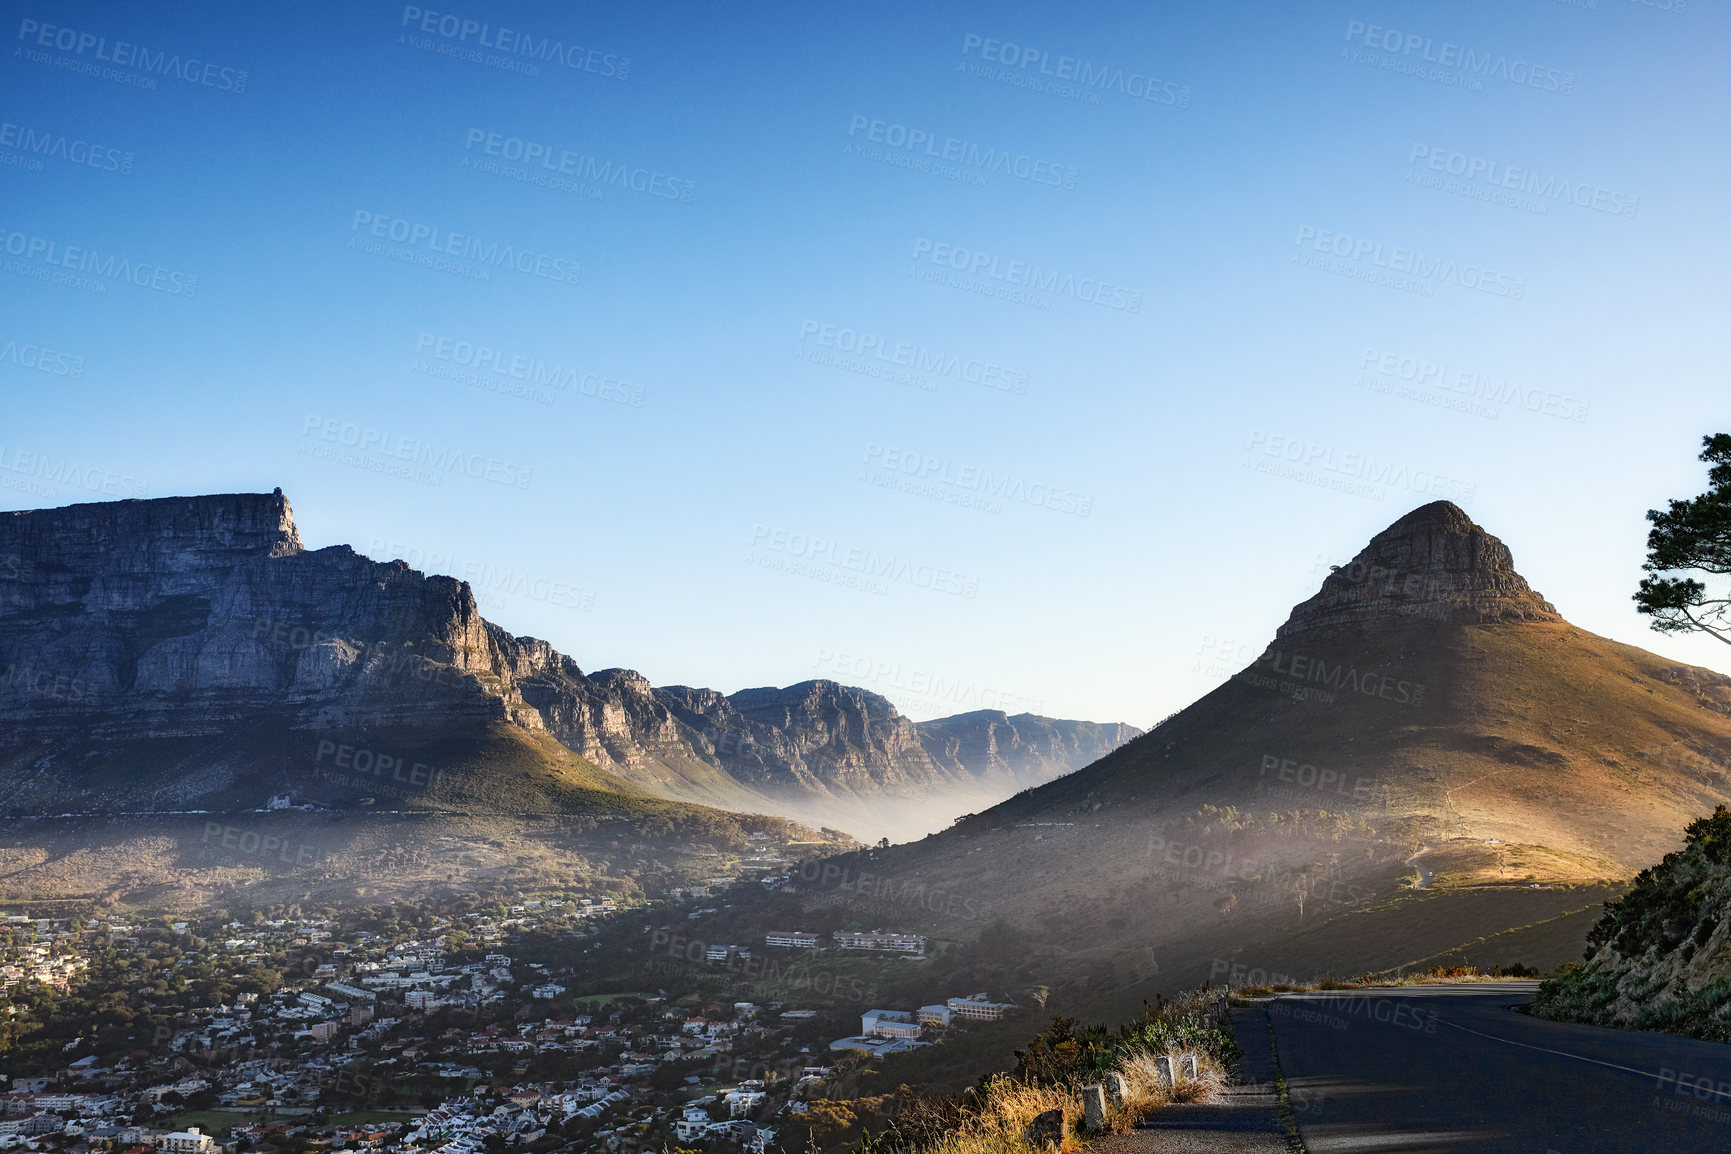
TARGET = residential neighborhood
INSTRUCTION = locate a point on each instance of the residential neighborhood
(482, 1031)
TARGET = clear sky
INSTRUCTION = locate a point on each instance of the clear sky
(1027, 356)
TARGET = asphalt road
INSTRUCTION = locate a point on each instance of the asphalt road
(1456, 1069)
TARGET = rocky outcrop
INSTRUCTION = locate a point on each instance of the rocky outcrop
(1660, 957)
(185, 617)
(1433, 565)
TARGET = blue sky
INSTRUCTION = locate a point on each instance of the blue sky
(1150, 337)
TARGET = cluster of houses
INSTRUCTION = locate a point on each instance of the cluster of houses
(726, 1115)
(52, 958)
(34, 1114)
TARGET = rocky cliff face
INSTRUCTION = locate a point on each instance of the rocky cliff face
(1432, 565)
(1021, 751)
(815, 736)
(178, 616)
(186, 617)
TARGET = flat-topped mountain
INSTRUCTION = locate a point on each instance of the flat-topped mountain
(202, 623)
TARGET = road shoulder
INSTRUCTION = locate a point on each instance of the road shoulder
(1245, 1121)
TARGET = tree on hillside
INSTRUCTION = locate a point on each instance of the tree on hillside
(1693, 534)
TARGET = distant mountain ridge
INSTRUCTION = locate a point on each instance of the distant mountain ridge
(187, 618)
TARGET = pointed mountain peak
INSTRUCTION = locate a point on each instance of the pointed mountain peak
(1433, 566)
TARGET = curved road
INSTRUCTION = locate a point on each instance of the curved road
(1454, 1069)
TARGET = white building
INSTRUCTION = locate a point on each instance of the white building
(694, 1121)
(879, 940)
(978, 1008)
(742, 1101)
(351, 992)
(187, 1141)
(889, 1024)
(791, 939)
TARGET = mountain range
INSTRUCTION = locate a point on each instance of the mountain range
(190, 653)
(1428, 763)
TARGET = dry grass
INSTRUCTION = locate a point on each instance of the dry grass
(1005, 1110)
(1144, 1093)
(1436, 975)
(1006, 1107)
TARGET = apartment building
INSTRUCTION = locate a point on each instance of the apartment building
(791, 939)
(879, 940)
